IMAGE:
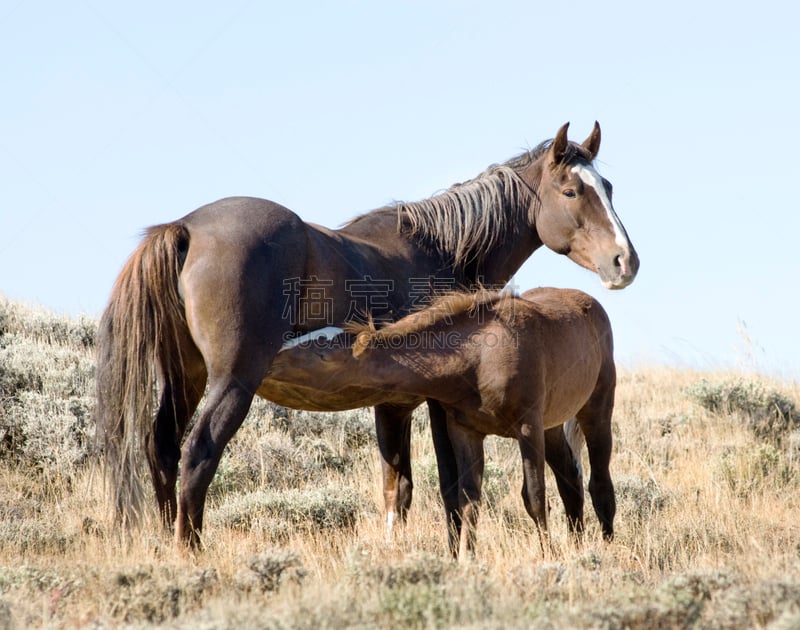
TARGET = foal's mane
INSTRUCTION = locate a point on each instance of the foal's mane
(440, 309)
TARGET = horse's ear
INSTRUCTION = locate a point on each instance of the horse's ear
(560, 143)
(592, 143)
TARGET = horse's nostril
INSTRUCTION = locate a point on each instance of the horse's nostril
(618, 261)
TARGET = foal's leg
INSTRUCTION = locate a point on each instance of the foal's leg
(530, 435)
(569, 479)
(595, 421)
(468, 450)
(393, 429)
(447, 465)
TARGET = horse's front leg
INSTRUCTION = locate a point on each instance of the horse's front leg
(468, 449)
(393, 429)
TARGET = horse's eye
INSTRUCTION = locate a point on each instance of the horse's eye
(569, 193)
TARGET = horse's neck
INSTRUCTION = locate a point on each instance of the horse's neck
(507, 257)
(502, 263)
(496, 232)
(494, 263)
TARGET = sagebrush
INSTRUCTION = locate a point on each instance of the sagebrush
(705, 465)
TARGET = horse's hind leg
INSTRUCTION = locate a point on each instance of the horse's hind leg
(393, 429)
(595, 422)
(229, 399)
(178, 403)
(569, 479)
(237, 352)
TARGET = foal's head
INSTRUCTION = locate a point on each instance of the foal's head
(572, 209)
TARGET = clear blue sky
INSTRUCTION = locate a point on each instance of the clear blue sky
(115, 116)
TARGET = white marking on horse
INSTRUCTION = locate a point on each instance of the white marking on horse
(389, 525)
(329, 332)
(592, 178)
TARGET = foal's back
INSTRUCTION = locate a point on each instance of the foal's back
(563, 309)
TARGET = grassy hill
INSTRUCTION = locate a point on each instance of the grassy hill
(706, 466)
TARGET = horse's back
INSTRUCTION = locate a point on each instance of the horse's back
(244, 218)
(245, 235)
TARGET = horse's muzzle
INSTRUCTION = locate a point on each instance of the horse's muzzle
(620, 270)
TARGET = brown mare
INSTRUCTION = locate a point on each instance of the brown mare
(208, 300)
(500, 365)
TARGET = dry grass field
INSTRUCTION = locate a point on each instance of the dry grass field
(706, 466)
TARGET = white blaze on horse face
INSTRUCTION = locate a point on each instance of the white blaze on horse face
(389, 525)
(591, 178)
(329, 332)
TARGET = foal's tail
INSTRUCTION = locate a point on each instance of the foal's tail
(138, 344)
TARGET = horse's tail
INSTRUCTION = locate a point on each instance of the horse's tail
(137, 345)
(575, 440)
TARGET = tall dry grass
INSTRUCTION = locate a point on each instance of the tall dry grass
(708, 523)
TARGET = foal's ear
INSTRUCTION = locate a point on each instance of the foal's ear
(592, 143)
(560, 143)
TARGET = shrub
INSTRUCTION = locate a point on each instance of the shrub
(754, 469)
(45, 409)
(349, 430)
(267, 571)
(46, 390)
(771, 603)
(273, 460)
(158, 594)
(495, 488)
(638, 500)
(36, 536)
(279, 515)
(421, 568)
(766, 412)
(50, 436)
(411, 592)
(678, 602)
(14, 379)
(46, 327)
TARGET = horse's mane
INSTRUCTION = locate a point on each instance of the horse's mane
(470, 218)
(440, 309)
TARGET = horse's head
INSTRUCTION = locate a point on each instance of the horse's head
(573, 212)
